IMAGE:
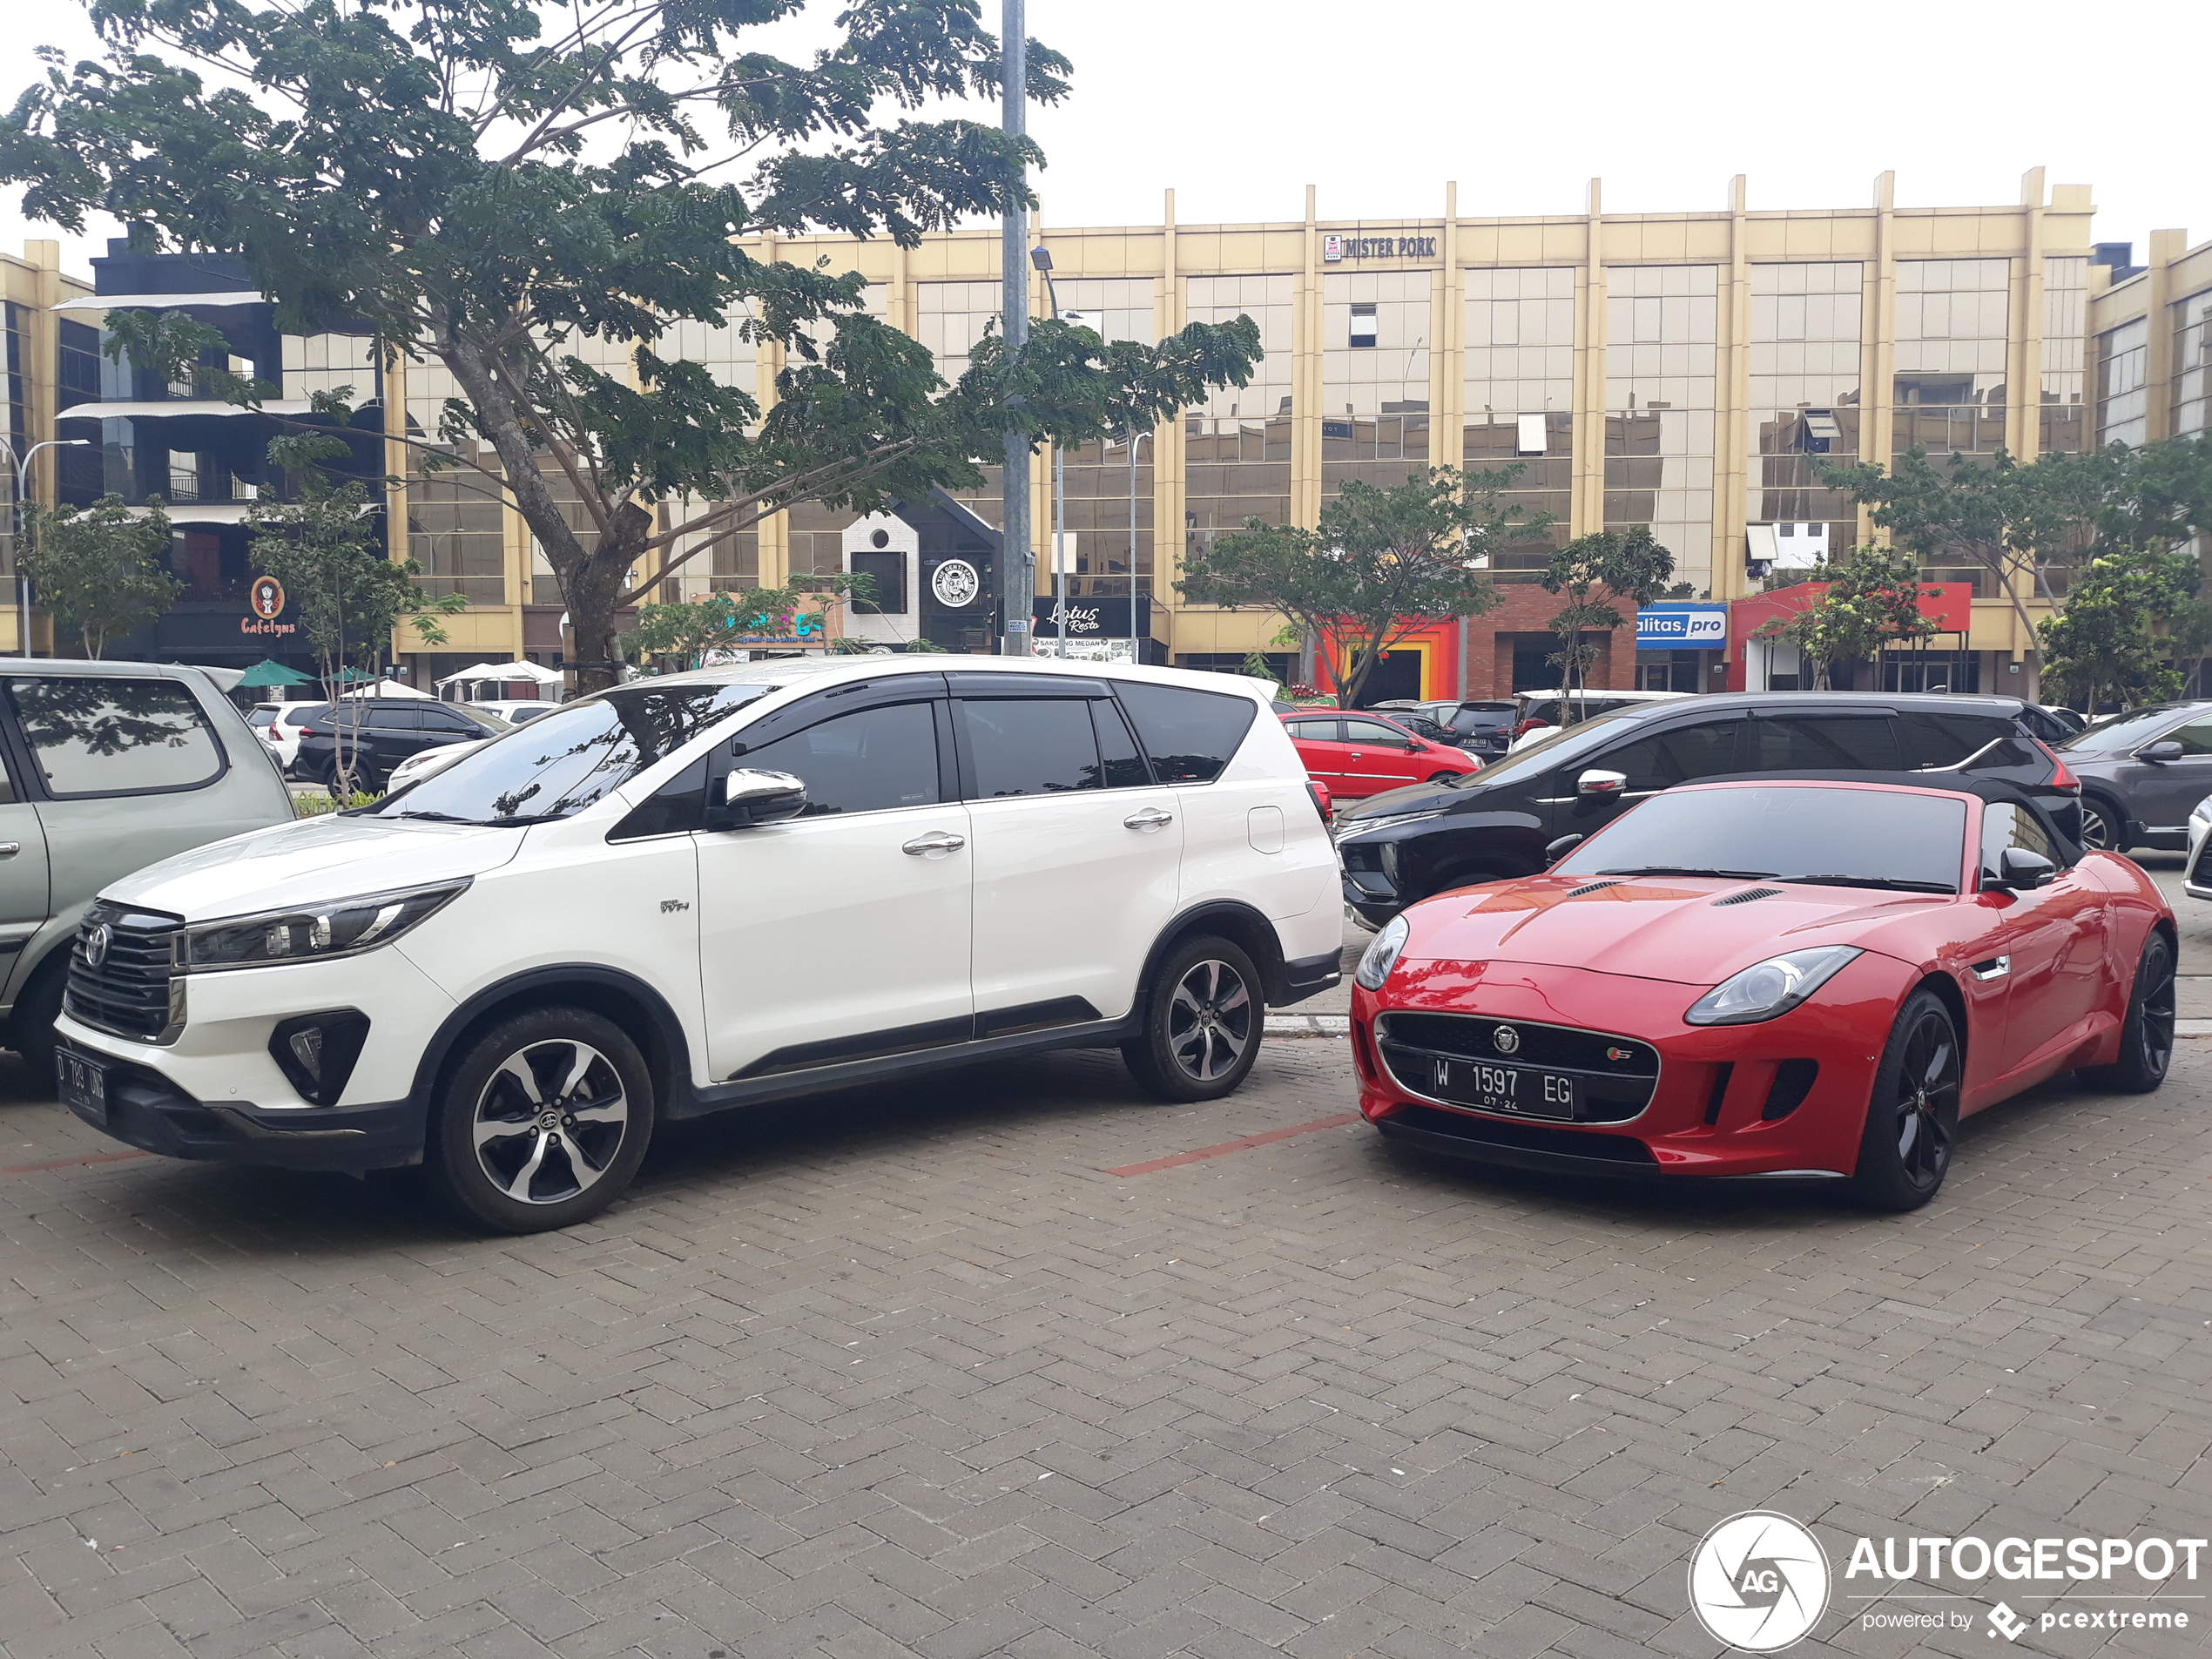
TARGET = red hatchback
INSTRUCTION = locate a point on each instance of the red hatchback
(1769, 978)
(1358, 755)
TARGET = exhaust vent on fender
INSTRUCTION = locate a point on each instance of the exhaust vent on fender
(1746, 896)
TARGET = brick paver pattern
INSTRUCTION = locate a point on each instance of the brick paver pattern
(913, 1374)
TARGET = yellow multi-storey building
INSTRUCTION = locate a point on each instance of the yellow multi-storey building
(52, 363)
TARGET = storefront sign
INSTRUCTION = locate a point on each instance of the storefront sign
(1682, 627)
(1092, 618)
(1336, 249)
(955, 582)
(267, 598)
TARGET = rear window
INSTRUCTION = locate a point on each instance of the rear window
(261, 718)
(90, 735)
(1189, 736)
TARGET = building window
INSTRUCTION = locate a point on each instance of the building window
(1662, 326)
(2065, 317)
(1237, 445)
(1375, 392)
(1518, 398)
(2193, 366)
(2123, 399)
(1949, 392)
(1805, 406)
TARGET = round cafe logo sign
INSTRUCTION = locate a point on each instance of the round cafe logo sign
(955, 582)
(267, 598)
(1759, 1581)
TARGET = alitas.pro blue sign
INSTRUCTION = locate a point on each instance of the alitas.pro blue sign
(1682, 627)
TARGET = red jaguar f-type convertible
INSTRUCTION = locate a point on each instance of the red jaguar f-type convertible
(1812, 978)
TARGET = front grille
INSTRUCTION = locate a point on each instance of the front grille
(1615, 1075)
(131, 992)
(1530, 1137)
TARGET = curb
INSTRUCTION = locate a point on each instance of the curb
(1340, 1025)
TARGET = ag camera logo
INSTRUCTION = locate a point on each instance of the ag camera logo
(1759, 1581)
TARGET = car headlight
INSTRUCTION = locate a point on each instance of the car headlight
(312, 932)
(1767, 990)
(1361, 825)
(1382, 955)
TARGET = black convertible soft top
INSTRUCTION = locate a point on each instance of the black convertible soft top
(1955, 783)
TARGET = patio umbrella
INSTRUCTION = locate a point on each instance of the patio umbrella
(266, 672)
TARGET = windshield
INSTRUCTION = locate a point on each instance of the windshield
(2128, 730)
(560, 764)
(1801, 834)
(1561, 746)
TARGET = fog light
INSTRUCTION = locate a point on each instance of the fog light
(316, 1052)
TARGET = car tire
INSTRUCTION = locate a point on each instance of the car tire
(1913, 1114)
(2147, 1034)
(1201, 1018)
(30, 1024)
(510, 1148)
(2104, 827)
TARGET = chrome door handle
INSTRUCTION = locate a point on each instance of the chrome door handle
(9, 849)
(935, 845)
(1149, 819)
(1995, 967)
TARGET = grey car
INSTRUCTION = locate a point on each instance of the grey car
(109, 766)
(2142, 772)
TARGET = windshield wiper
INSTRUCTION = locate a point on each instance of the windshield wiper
(1893, 883)
(1684, 869)
(439, 818)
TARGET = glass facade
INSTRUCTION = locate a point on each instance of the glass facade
(2064, 426)
(1519, 397)
(1237, 445)
(2192, 365)
(1949, 389)
(1661, 325)
(1096, 478)
(734, 561)
(1374, 377)
(455, 521)
(2123, 397)
(1806, 409)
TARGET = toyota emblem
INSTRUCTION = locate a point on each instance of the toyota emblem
(96, 944)
(1506, 1039)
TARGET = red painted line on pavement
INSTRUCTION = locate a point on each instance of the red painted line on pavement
(67, 1164)
(1227, 1147)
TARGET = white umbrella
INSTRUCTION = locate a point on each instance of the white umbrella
(504, 673)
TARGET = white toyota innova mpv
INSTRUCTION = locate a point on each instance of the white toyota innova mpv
(705, 891)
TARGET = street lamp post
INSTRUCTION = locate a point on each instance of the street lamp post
(22, 494)
(1040, 257)
(1018, 582)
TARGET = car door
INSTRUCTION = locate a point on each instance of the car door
(25, 891)
(1077, 850)
(1650, 761)
(1320, 744)
(1375, 757)
(2046, 947)
(842, 933)
(2161, 794)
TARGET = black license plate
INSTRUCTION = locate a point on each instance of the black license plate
(83, 1085)
(1524, 1091)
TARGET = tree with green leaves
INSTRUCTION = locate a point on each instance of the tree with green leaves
(2102, 650)
(97, 570)
(491, 186)
(1872, 600)
(1383, 564)
(326, 549)
(691, 628)
(1593, 572)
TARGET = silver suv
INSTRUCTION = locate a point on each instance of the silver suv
(109, 766)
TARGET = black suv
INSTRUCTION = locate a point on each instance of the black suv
(1406, 844)
(380, 732)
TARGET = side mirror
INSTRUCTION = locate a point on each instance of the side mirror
(1601, 784)
(751, 797)
(2160, 752)
(2020, 870)
(1561, 847)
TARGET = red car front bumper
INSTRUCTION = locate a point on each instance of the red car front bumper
(1784, 1097)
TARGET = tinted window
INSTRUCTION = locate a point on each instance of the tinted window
(1559, 749)
(1370, 732)
(1189, 736)
(386, 717)
(1313, 731)
(677, 806)
(95, 736)
(2125, 730)
(531, 712)
(2196, 738)
(1033, 746)
(261, 719)
(1821, 742)
(475, 723)
(1665, 759)
(888, 573)
(566, 761)
(870, 760)
(1792, 834)
(1945, 739)
(1117, 755)
(2004, 825)
(307, 714)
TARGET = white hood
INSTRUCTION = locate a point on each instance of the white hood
(313, 861)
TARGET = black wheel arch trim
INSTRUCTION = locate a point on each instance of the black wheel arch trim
(1251, 925)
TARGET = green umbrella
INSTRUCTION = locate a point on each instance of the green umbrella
(266, 672)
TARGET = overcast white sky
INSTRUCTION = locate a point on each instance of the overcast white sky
(1239, 105)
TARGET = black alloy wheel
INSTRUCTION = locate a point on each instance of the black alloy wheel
(2147, 1034)
(2102, 830)
(1203, 1016)
(1913, 1115)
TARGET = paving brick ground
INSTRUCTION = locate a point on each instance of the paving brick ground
(913, 1374)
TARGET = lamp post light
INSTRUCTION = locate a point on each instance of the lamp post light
(22, 494)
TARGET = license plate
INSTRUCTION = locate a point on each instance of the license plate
(1522, 1090)
(83, 1085)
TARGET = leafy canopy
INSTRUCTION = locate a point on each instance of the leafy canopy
(1872, 600)
(1618, 565)
(97, 570)
(1384, 563)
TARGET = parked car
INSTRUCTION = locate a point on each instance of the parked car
(380, 732)
(2054, 722)
(278, 725)
(1405, 845)
(428, 763)
(1770, 977)
(515, 712)
(1358, 754)
(1481, 727)
(2196, 879)
(704, 891)
(109, 766)
(2142, 772)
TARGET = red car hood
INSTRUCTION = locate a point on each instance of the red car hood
(1650, 927)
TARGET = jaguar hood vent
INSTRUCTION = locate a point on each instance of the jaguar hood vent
(1747, 896)
(1595, 886)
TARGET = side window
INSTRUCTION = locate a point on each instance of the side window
(447, 720)
(1370, 732)
(1189, 736)
(95, 736)
(1706, 750)
(2004, 825)
(1646, 764)
(2196, 738)
(1029, 745)
(871, 760)
(384, 717)
(1117, 756)
(677, 805)
(1822, 742)
(1314, 730)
